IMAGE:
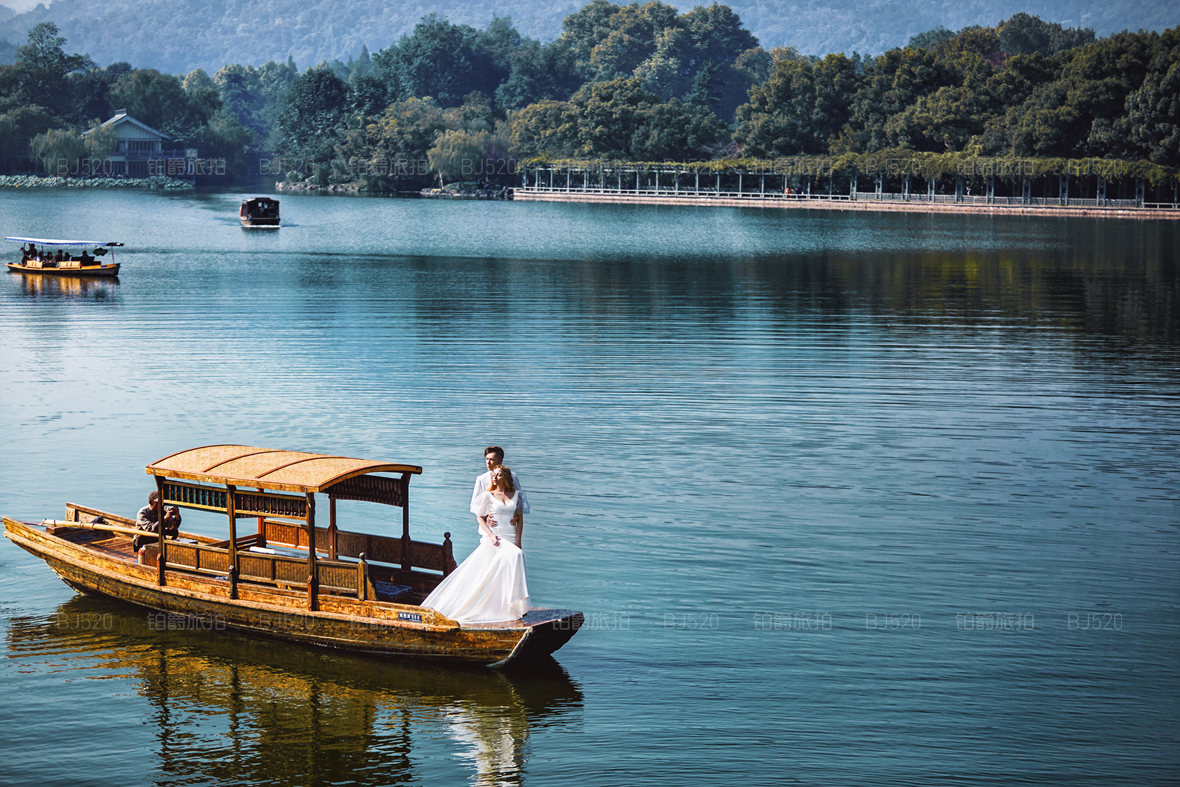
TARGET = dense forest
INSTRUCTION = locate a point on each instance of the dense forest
(177, 36)
(643, 83)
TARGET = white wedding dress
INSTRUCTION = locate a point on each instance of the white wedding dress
(489, 586)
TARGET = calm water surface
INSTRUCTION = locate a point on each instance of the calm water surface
(846, 499)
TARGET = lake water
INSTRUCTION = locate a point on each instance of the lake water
(845, 498)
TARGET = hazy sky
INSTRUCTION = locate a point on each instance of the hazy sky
(23, 5)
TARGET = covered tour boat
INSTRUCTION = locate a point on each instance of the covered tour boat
(260, 212)
(48, 256)
(291, 577)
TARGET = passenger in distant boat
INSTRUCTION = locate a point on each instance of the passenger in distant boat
(29, 253)
(149, 519)
(493, 457)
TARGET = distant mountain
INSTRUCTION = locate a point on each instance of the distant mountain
(178, 35)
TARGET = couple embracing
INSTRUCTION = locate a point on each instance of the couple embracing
(489, 586)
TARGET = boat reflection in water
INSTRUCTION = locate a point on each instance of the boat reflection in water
(68, 286)
(234, 709)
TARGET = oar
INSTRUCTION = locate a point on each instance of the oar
(127, 531)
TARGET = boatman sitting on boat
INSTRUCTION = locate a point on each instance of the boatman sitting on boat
(149, 517)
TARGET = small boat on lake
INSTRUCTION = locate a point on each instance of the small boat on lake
(45, 261)
(292, 577)
(260, 212)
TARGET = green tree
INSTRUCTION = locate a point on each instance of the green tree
(456, 155)
(802, 108)
(240, 90)
(202, 93)
(777, 121)
(308, 120)
(91, 90)
(160, 101)
(224, 137)
(695, 56)
(718, 34)
(676, 131)
(584, 30)
(1078, 111)
(633, 37)
(1024, 34)
(42, 69)
(440, 60)
(546, 129)
(607, 116)
(1150, 126)
(100, 143)
(17, 126)
(538, 73)
(392, 150)
(891, 83)
(668, 71)
(59, 151)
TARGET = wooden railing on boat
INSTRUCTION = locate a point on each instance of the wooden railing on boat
(375, 560)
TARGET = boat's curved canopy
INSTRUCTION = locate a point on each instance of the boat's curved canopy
(53, 242)
(265, 468)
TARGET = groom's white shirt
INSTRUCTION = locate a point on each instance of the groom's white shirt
(484, 481)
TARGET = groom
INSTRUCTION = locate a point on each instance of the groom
(493, 457)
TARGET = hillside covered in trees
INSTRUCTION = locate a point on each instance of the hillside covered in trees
(177, 36)
(622, 82)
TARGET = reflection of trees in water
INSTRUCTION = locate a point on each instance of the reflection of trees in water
(232, 709)
(1109, 281)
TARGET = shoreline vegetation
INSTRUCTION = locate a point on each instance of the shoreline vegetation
(152, 183)
(1025, 110)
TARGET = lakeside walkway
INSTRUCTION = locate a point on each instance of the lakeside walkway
(863, 201)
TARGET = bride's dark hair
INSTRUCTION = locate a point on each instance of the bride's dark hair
(506, 475)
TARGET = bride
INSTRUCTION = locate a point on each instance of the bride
(489, 586)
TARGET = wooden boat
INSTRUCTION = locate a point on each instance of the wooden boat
(46, 263)
(260, 212)
(354, 590)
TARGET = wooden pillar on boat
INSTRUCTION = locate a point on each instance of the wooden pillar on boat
(231, 508)
(312, 582)
(362, 576)
(448, 555)
(332, 554)
(163, 559)
(406, 563)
